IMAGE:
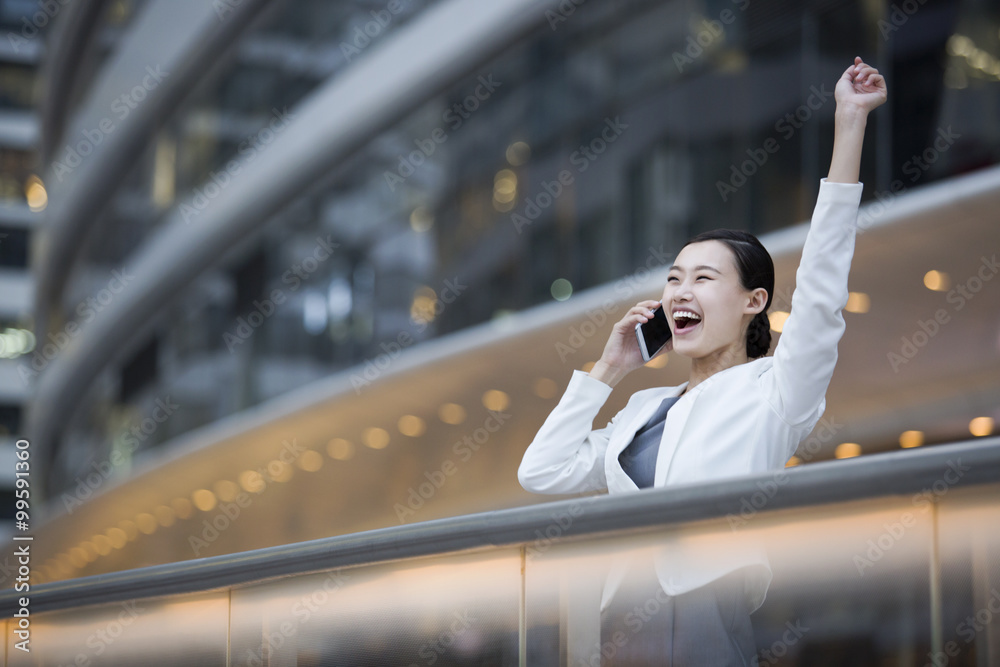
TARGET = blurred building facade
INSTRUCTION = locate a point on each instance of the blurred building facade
(562, 159)
(23, 198)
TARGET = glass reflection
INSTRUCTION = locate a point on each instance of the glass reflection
(904, 580)
(454, 610)
(778, 589)
(187, 630)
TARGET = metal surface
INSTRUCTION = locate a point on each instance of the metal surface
(71, 35)
(895, 473)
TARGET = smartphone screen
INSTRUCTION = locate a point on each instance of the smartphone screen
(653, 334)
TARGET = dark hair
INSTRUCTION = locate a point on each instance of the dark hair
(756, 270)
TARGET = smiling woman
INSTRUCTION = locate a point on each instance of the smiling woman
(740, 412)
(718, 293)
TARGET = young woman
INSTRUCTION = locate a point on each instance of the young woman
(740, 412)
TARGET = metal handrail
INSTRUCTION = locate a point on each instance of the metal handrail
(872, 476)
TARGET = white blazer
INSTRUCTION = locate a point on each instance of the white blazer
(745, 419)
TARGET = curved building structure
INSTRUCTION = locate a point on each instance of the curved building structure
(302, 279)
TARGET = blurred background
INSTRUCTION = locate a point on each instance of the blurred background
(324, 267)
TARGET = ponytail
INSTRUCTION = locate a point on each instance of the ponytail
(759, 335)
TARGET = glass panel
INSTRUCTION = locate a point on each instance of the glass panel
(969, 549)
(455, 610)
(851, 583)
(790, 588)
(180, 632)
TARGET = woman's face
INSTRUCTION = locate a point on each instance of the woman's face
(704, 280)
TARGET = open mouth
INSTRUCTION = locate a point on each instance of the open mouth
(684, 324)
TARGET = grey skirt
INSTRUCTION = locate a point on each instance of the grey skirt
(706, 626)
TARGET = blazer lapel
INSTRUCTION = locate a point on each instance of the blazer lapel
(623, 437)
(673, 428)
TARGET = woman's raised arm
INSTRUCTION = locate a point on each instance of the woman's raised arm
(806, 354)
(860, 89)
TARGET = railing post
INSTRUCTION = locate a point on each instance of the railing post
(935, 584)
(522, 620)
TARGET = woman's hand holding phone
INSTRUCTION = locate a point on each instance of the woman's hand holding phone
(621, 353)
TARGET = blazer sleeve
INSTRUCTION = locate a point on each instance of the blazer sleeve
(806, 354)
(566, 456)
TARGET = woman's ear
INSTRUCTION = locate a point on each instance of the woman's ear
(757, 301)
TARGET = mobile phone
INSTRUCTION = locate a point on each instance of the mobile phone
(653, 334)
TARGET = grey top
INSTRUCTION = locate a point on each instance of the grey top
(638, 459)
